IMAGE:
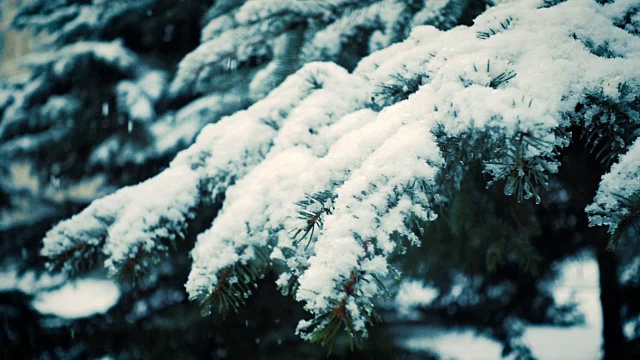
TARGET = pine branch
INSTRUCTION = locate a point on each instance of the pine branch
(78, 259)
(495, 78)
(506, 157)
(610, 125)
(525, 177)
(504, 25)
(617, 202)
(311, 211)
(234, 285)
(325, 328)
(628, 227)
(397, 88)
(550, 3)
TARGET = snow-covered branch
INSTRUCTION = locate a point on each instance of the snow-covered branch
(356, 155)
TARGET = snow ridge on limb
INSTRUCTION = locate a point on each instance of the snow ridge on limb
(241, 38)
(367, 220)
(168, 133)
(258, 203)
(383, 17)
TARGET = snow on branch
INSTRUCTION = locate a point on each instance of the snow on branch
(222, 153)
(333, 172)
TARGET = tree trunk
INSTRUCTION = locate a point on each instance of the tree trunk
(583, 177)
(614, 344)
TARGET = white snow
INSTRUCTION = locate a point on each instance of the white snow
(133, 102)
(63, 60)
(56, 295)
(67, 20)
(578, 281)
(461, 345)
(412, 294)
(78, 299)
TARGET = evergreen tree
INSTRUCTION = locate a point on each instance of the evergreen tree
(335, 172)
(101, 108)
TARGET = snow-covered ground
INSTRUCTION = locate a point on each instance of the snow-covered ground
(578, 281)
(79, 299)
(71, 300)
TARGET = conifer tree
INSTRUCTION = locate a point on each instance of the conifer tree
(77, 138)
(335, 171)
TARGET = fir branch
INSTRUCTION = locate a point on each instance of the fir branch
(502, 78)
(235, 284)
(138, 264)
(506, 156)
(398, 88)
(314, 79)
(602, 49)
(78, 259)
(550, 3)
(609, 125)
(495, 80)
(325, 328)
(525, 177)
(504, 25)
(135, 269)
(311, 211)
(628, 225)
